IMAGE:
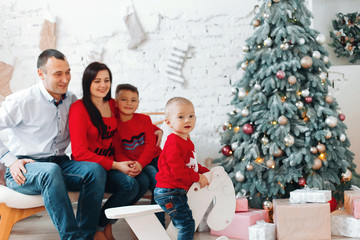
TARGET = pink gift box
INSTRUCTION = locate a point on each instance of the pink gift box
(350, 197)
(356, 208)
(241, 205)
(239, 226)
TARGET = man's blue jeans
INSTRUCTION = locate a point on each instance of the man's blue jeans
(175, 203)
(52, 177)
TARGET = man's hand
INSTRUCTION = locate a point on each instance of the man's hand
(158, 133)
(203, 181)
(17, 170)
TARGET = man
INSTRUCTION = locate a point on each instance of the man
(38, 120)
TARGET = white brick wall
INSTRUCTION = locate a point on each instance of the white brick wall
(215, 31)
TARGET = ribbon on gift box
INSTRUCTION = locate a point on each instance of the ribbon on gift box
(310, 195)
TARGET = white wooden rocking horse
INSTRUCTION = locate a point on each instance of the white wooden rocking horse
(146, 226)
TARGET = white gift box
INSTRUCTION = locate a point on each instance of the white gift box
(344, 224)
(262, 231)
(310, 195)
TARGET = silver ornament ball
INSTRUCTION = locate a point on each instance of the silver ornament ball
(331, 121)
(342, 137)
(326, 59)
(239, 177)
(267, 205)
(268, 42)
(289, 140)
(245, 112)
(320, 39)
(301, 41)
(264, 140)
(316, 54)
(299, 105)
(241, 93)
(305, 93)
(257, 86)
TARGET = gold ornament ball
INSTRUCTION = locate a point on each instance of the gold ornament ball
(329, 99)
(306, 62)
(282, 120)
(292, 79)
(256, 23)
(249, 167)
(270, 163)
(267, 205)
(317, 164)
(278, 153)
(346, 176)
(313, 150)
(321, 148)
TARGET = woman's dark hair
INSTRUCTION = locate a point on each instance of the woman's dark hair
(88, 77)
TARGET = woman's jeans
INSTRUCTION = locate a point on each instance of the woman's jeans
(175, 203)
(53, 177)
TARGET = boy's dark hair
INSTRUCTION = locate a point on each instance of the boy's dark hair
(45, 55)
(126, 86)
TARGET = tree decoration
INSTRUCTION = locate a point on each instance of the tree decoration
(306, 62)
(342, 116)
(246, 48)
(299, 105)
(249, 167)
(226, 150)
(267, 205)
(301, 181)
(321, 39)
(342, 137)
(264, 140)
(346, 41)
(326, 59)
(248, 128)
(316, 54)
(346, 176)
(301, 41)
(276, 1)
(321, 147)
(328, 134)
(244, 66)
(280, 74)
(241, 93)
(313, 150)
(283, 120)
(317, 164)
(245, 112)
(268, 42)
(278, 153)
(292, 79)
(305, 93)
(236, 129)
(234, 91)
(234, 145)
(308, 99)
(239, 176)
(270, 163)
(256, 23)
(284, 46)
(257, 86)
(226, 125)
(323, 76)
(289, 140)
(329, 98)
(331, 121)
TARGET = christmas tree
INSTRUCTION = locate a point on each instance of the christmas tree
(286, 130)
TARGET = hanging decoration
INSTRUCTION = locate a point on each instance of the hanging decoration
(6, 71)
(48, 32)
(137, 34)
(176, 61)
(346, 41)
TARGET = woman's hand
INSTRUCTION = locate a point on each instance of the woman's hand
(126, 167)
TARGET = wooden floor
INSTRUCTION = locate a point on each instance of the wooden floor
(40, 227)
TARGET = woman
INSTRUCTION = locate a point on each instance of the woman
(92, 124)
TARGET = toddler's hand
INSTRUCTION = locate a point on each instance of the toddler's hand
(203, 181)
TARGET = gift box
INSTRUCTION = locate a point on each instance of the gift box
(239, 226)
(307, 221)
(349, 199)
(310, 196)
(262, 231)
(344, 224)
(241, 204)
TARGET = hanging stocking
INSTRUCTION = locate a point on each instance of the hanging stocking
(48, 34)
(176, 61)
(137, 34)
(6, 72)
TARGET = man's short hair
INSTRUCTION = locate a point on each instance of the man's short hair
(176, 100)
(48, 53)
(126, 86)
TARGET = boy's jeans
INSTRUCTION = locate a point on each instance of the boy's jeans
(52, 177)
(174, 202)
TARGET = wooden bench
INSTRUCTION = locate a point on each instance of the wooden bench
(15, 206)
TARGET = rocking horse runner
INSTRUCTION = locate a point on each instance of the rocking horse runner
(146, 226)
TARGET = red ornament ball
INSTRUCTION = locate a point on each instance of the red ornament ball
(342, 116)
(302, 181)
(333, 204)
(308, 99)
(280, 74)
(248, 128)
(226, 150)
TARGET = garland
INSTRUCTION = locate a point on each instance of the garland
(346, 36)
